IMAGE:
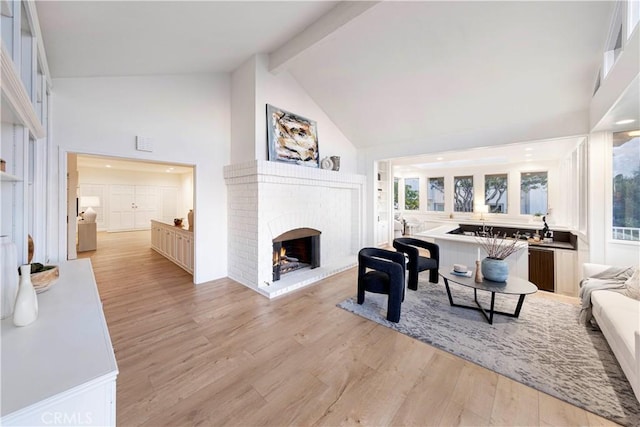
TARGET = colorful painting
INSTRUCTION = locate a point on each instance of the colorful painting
(291, 138)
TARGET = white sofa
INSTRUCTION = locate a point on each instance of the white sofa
(618, 317)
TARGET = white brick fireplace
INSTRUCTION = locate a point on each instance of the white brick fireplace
(266, 199)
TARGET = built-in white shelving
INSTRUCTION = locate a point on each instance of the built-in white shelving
(24, 90)
(382, 203)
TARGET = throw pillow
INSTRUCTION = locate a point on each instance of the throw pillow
(633, 285)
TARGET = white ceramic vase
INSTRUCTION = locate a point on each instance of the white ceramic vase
(9, 291)
(25, 311)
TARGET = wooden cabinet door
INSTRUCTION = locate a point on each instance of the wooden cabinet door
(541, 271)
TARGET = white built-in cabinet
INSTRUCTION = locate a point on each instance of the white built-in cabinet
(61, 369)
(175, 243)
(125, 207)
(383, 203)
(565, 265)
(24, 116)
(132, 206)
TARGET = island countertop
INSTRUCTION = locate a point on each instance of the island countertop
(442, 233)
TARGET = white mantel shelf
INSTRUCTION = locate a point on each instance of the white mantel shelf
(265, 171)
(64, 361)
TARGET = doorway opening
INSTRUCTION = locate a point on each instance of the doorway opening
(115, 196)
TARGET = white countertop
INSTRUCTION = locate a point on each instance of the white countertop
(183, 227)
(67, 348)
(535, 224)
(440, 233)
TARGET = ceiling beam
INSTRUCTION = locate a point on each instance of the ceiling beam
(337, 17)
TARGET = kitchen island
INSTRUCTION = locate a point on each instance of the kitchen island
(464, 249)
(551, 265)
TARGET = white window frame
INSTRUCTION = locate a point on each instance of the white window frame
(615, 32)
(633, 16)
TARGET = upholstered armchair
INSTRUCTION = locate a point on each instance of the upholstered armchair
(418, 263)
(381, 271)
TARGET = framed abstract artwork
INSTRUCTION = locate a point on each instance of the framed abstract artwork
(291, 138)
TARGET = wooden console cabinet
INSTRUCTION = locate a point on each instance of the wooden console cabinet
(175, 243)
(61, 369)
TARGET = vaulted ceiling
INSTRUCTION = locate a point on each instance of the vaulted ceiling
(392, 72)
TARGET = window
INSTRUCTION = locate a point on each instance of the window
(6, 27)
(533, 193)
(626, 186)
(495, 193)
(411, 194)
(463, 194)
(435, 194)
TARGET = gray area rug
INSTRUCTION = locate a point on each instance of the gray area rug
(545, 348)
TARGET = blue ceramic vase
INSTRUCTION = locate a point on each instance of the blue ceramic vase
(496, 270)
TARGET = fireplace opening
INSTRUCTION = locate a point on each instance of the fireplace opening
(294, 250)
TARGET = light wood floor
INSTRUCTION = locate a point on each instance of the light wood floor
(220, 354)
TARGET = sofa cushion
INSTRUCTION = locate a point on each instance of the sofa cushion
(620, 315)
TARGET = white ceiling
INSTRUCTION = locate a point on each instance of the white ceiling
(535, 152)
(121, 38)
(410, 71)
(398, 72)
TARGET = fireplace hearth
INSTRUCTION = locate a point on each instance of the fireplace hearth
(294, 250)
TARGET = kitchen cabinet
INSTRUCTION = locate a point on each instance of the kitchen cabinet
(174, 243)
(554, 270)
(541, 268)
(566, 274)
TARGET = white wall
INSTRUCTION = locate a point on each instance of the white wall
(253, 79)
(106, 177)
(283, 91)
(188, 118)
(243, 112)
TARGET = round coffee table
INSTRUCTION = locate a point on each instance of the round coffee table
(513, 286)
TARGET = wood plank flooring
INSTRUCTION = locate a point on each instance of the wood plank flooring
(220, 354)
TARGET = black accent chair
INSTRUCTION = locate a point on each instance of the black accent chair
(382, 272)
(419, 263)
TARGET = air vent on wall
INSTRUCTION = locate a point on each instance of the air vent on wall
(144, 143)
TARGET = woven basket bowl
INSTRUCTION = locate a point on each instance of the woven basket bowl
(45, 279)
